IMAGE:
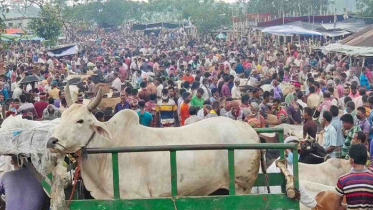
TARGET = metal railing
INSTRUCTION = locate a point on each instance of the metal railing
(232, 201)
(174, 148)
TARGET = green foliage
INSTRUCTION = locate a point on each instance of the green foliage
(366, 7)
(48, 24)
(205, 14)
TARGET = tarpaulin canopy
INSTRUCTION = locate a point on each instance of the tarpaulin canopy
(348, 50)
(288, 30)
(17, 37)
(64, 50)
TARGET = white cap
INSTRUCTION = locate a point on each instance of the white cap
(291, 139)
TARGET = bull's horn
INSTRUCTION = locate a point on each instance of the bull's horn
(96, 101)
(69, 101)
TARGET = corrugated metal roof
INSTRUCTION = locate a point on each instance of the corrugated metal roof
(363, 38)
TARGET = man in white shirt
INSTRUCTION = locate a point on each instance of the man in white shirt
(158, 84)
(236, 93)
(117, 83)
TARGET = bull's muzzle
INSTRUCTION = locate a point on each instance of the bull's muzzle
(52, 143)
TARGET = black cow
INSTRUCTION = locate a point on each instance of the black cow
(312, 153)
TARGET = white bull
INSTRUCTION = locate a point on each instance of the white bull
(147, 175)
(286, 88)
(312, 178)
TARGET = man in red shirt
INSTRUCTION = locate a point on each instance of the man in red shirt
(188, 77)
(40, 105)
(184, 108)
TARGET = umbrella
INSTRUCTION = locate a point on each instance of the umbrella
(221, 36)
(28, 79)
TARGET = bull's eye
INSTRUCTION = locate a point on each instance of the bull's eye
(80, 121)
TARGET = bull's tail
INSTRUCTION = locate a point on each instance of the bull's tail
(264, 165)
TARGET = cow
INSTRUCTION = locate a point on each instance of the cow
(286, 88)
(147, 175)
(312, 153)
(313, 178)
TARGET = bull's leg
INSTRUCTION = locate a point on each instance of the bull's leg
(244, 185)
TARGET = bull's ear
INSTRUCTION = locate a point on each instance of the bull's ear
(101, 130)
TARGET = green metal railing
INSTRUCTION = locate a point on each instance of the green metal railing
(231, 202)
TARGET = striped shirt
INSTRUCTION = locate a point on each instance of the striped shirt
(348, 139)
(166, 110)
(357, 186)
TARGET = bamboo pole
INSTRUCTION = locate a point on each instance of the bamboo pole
(291, 192)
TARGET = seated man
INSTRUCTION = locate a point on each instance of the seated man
(22, 190)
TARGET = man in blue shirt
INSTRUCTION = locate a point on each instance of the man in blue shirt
(239, 68)
(123, 104)
(144, 117)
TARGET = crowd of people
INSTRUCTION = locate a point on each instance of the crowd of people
(174, 80)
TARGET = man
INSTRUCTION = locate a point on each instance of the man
(198, 100)
(337, 124)
(360, 138)
(225, 91)
(325, 105)
(55, 92)
(313, 100)
(151, 87)
(51, 112)
(22, 190)
(40, 105)
(4, 91)
(363, 121)
(159, 85)
(264, 107)
(235, 113)
(166, 111)
(215, 110)
(354, 93)
(144, 93)
(256, 96)
(26, 109)
(356, 186)
(350, 109)
(349, 129)
(330, 135)
(184, 108)
(215, 95)
(145, 118)
(117, 83)
(236, 93)
(346, 92)
(309, 126)
(188, 77)
(193, 116)
(205, 86)
(123, 104)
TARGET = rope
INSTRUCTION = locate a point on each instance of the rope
(76, 176)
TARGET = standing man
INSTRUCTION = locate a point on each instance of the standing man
(363, 121)
(349, 129)
(309, 126)
(225, 91)
(144, 117)
(330, 136)
(123, 104)
(337, 124)
(184, 108)
(40, 105)
(198, 100)
(166, 112)
(21, 188)
(357, 184)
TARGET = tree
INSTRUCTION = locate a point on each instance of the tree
(366, 7)
(48, 24)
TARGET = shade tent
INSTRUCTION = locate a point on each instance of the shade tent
(64, 50)
(348, 50)
(289, 30)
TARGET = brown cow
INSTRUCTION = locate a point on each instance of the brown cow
(326, 200)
